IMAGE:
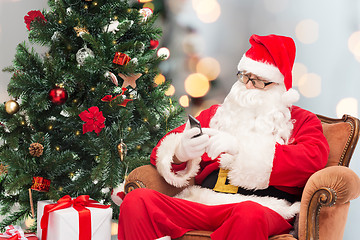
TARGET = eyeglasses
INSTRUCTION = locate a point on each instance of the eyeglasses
(257, 83)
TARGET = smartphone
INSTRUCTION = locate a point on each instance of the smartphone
(195, 123)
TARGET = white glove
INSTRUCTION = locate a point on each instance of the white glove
(220, 142)
(189, 147)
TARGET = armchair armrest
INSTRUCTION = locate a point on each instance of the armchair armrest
(330, 187)
(148, 177)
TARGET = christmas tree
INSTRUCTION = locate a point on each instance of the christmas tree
(87, 111)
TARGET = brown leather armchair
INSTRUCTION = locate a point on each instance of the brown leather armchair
(326, 197)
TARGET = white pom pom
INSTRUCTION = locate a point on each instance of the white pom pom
(290, 96)
(117, 194)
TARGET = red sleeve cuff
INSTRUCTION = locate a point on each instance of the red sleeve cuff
(178, 167)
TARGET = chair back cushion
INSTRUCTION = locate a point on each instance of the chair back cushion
(342, 136)
(337, 136)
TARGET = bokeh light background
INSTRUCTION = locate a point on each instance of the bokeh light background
(204, 40)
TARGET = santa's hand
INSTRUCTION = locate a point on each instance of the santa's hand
(220, 142)
(191, 147)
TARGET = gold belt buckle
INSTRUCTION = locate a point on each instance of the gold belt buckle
(221, 185)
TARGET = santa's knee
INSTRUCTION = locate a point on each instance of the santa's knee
(250, 214)
(135, 202)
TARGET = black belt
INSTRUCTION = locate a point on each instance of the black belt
(271, 191)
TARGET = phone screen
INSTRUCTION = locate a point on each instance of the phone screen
(195, 123)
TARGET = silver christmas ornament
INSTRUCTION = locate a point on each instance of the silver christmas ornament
(69, 11)
(55, 36)
(112, 27)
(134, 61)
(82, 54)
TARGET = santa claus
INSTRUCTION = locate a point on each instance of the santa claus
(250, 164)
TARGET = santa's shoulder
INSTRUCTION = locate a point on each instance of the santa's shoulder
(300, 113)
(210, 112)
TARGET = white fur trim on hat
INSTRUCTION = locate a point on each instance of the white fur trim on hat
(165, 154)
(261, 69)
(290, 96)
(210, 197)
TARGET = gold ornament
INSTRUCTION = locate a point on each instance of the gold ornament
(12, 107)
(3, 169)
(122, 150)
(80, 31)
(36, 149)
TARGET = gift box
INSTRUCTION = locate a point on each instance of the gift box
(79, 218)
(121, 58)
(16, 233)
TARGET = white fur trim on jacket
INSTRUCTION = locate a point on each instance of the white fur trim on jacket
(165, 154)
(252, 166)
(261, 69)
(210, 197)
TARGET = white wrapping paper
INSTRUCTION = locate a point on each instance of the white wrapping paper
(64, 223)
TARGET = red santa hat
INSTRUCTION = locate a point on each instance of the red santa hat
(271, 57)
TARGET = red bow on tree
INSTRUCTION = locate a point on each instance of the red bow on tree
(110, 98)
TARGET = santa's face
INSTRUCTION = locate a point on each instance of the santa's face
(247, 96)
(255, 111)
(253, 81)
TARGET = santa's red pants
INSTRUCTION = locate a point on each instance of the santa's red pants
(147, 214)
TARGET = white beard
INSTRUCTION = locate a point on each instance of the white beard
(258, 119)
(255, 113)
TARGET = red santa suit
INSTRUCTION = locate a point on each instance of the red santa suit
(266, 175)
(290, 166)
(287, 168)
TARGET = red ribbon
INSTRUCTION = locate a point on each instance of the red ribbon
(79, 204)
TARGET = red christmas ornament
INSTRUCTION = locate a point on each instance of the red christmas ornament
(121, 58)
(58, 95)
(154, 44)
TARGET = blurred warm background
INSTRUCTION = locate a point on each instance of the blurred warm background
(205, 39)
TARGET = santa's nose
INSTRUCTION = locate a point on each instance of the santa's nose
(249, 85)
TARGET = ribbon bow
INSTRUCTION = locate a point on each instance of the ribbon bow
(79, 204)
(15, 232)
